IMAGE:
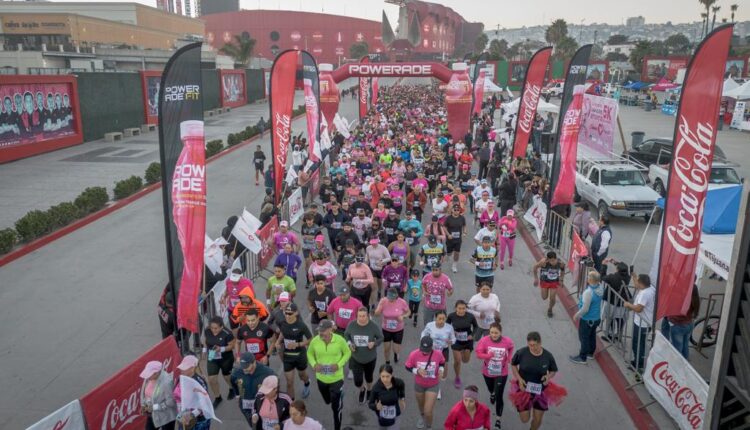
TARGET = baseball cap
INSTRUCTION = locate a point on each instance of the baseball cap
(425, 344)
(319, 238)
(152, 367)
(284, 224)
(483, 181)
(510, 212)
(492, 223)
(432, 238)
(408, 213)
(344, 289)
(392, 293)
(435, 217)
(284, 297)
(325, 325)
(269, 384)
(486, 239)
(188, 362)
(246, 359)
(374, 241)
(291, 308)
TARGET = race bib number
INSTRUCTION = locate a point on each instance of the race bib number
(336, 225)
(430, 370)
(436, 299)
(389, 231)
(326, 369)
(345, 313)
(485, 265)
(288, 343)
(533, 388)
(462, 336)
(489, 319)
(415, 204)
(391, 324)
(269, 424)
(507, 233)
(248, 404)
(253, 347)
(214, 355)
(388, 412)
(409, 240)
(456, 234)
(321, 306)
(494, 368)
(394, 284)
(360, 341)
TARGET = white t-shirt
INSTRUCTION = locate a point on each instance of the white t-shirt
(478, 305)
(439, 208)
(460, 146)
(308, 424)
(484, 231)
(646, 298)
(481, 205)
(477, 192)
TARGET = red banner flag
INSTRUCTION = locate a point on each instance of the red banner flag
(375, 91)
(265, 234)
(479, 93)
(283, 75)
(116, 404)
(694, 144)
(571, 125)
(311, 113)
(364, 91)
(329, 94)
(577, 251)
(532, 90)
(458, 102)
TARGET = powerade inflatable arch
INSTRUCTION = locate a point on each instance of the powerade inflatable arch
(458, 93)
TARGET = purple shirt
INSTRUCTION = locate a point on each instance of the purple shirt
(280, 239)
(395, 277)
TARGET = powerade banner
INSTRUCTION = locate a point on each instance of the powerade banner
(311, 86)
(283, 75)
(576, 76)
(530, 93)
(183, 159)
(329, 96)
(478, 76)
(690, 170)
(571, 125)
(458, 104)
(364, 91)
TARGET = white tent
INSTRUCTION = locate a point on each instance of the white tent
(543, 106)
(490, 87)
(740, 93)
(716, 252)
(729, 85)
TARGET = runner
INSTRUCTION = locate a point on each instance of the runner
(414, 294)
(495, 351)
(271, 406)
(294, 336)
(442, 334)
(436, 287)
(363, 336)
(484, 258)
(284, 236)
(395, 275)
(217, 350)
(413, 232)
(343, 309)
(464, 325)
(245, 379)
(485, 306)
(360, 279)
(334, 221)
(469, 413)
(490, 230)
(400, 248)
(508, 226)
(455, 224)
(377, 256)
(428, 371)
(432, 254)
(393, 309)
(551, 272)
(259, 159)
(324, 268)
(318, 300)
(278, 283)
(246, 304)
(328, 354)
(388, 398)
(290, 260)
(298, 419)
(255, 334)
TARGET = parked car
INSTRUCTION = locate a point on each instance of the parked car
(723, 175)
(554, 89)
(651, 150)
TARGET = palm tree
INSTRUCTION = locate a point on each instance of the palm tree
(714, 9)
(241, 50)
(556, 32)
(704, 17)
(733, 8)
(707, 4)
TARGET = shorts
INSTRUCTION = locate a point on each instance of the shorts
(377, 274)
(259, 167)
(233, 325)
(479, 279)
(421, 390)
(464, 345)
(452, 245)
(297, 361)
(224, 365)
(393, 336)
(550, 285)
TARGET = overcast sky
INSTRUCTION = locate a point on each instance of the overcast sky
(517, 13)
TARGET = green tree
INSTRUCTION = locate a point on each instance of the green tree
(597, 52)
(565, 48)
(480, 43)
(707, 4)
(617, 39)
(358, 50)
(556, 32)
(678, 44)
(616, 56)
(515, 50)
(498, 49)
(642, 49)
(733, 8)
(241, 50)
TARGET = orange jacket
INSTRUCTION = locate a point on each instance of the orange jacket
(239, 311)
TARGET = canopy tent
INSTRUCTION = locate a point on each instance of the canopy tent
(729, 85)
(720, 210)
(664, 85)
(636, 86)
(740, 93)
(543, 106)
(716, 253)
(490, 87)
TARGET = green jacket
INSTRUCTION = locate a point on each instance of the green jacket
(336, 352)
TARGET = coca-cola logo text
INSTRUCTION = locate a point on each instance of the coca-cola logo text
(684, 398)
(283, 128)
(364, 91)
(528, 107)
(691, 168)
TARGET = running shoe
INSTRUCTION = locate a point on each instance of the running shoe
(362, 396)
(395, 357)
(305, 391)
(420, 423)
(549, 313)
(502, 266)
(440, 394)
(510, 263)
(350, 375)
(216, 401)
(457, 383)
(498, 426)
(231, 394)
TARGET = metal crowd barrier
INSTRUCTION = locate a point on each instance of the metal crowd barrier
(558, 234)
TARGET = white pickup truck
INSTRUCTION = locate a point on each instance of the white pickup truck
(616, 187)
(722, 175)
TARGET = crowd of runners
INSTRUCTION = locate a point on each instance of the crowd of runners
(377, 256)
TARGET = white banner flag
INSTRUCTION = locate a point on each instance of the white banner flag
(675, 384)
(69, 417)
(325, 136)
(537, 216)
(246, 236)
(194, 396)
(213, 255)
(291, 177)
(296, 207)
(251, 221)
(220, 304)
(341, 125)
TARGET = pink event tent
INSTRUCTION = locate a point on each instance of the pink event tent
(664, 85)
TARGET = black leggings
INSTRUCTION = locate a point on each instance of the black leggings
(414, 309)
(333, 394)
(496, 385)
(363, 295)
(362, 371)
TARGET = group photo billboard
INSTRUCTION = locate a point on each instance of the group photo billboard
(232, 84)
(655, 68)
(517, 71)
(39, 114)
(735, 68)
(597, 71)
(150, 82)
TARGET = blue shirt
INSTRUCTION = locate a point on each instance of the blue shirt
(414, 290)
(291, 262)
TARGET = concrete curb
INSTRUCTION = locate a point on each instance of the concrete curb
(633, 404)
(70, 228)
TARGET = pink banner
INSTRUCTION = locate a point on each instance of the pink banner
(458, 104)
(116, 404)
(329, 98)
(375, 91)
(478, 93)
(364, 91)
(598, 124)
(563, 194)
(189, 214)
(265, 234)
(311, 113)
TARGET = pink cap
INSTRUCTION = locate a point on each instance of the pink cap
(284, 297)
(152, 367)
(284, 224)
(188, 362)
(442, 178)
(271, 382)
(374, 241)
(319, 238)
(510, 212)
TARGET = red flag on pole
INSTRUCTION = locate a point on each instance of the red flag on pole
(532, 90)
(283, 75)
(375, 88)
(571, 124)
(694, 144)
(478, 92)
(577, 251)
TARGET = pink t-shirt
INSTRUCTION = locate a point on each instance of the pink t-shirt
(391, 312)
(486, 217)
(421, 182)
(507, 226)
(344, 313)
(280, 239)
(435, 290)
(495, 355)
(418, 360)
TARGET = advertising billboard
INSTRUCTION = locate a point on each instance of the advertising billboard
(39, 114)
(655, 68)
(150, 82)
(232, 83)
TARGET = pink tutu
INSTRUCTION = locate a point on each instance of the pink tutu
(553, 394)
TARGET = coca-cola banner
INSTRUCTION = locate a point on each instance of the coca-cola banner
(375, 89)
(265, 234)
(458, 102)
(183, 159)
(694, 144)
(116, 404)
(532, 89)
(675, 384)
(283, 75)
(571, 125)
(329, 94)
(364, 91)
(68, 417)
(576, 76)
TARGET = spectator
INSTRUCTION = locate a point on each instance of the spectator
(643, 306)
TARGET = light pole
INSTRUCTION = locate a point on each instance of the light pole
(580, 31)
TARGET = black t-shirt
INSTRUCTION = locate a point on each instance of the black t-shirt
(259, 158)
(295, 332)
(464, 326)
(256, 340)
(222, 339)
(320, 301)
(455, 226)
(531, 367)
(308, 235)
(389, 399)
